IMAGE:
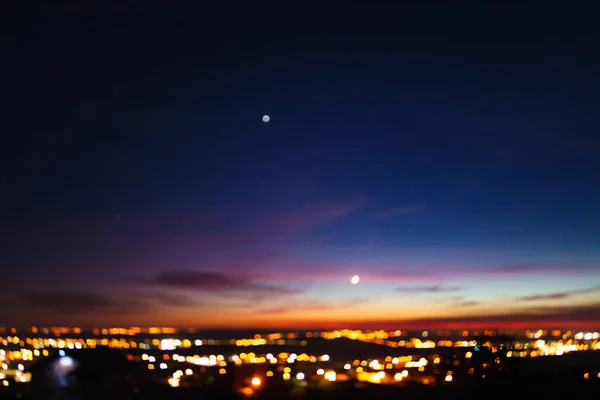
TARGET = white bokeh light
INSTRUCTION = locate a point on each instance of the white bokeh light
(65, 362)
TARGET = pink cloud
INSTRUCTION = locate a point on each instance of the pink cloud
(176, 238)
(308, 217)
(239, 221)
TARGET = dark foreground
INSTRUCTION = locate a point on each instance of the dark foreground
(544, 391)
(101, 377)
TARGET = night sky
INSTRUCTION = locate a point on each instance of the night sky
(448, 155)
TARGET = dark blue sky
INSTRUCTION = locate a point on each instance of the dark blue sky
(413, 128)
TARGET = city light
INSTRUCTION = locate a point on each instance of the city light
(330, 376)
(66, 362)
(191, 363)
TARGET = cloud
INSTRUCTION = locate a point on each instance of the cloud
(79, 302)
(153, 239)
(316, 306)
(429, 289)
(402, 210)
(558, 295)
(260, 292)
(459, 301)
(220, 283)
(466, 303)
(308, 217)
(280, 266)
(273, 265)
(201, 280)
(303, 307)
(580, 317)
(169, 300)
(549, 296)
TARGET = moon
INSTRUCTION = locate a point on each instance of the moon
(266, 118)
(355, 279)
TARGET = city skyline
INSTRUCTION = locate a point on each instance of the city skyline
(457, 178)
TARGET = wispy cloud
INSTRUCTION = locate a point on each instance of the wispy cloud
(88, 302)
(584, 317)
(220, 283)
(279, 266)
(210, 230)
(395, 211)
(460, 301)
(559, 295)
(428, 289)
(466, 303)
(315, 306)
(306, 307)
(80, 302)
(168, 299)
(308, 217)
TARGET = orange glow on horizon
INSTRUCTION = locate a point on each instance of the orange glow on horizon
(361, 316)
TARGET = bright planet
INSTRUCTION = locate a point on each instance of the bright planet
(355, 279)
(266, 118)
